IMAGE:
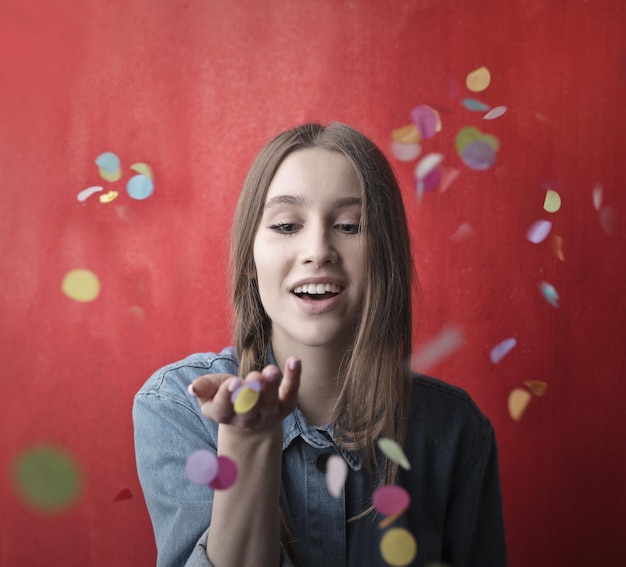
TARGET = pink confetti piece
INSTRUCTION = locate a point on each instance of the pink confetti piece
(226, 474)
(426, 119)
(448, 177)
(538, 231)
(495, 112)
(437, 349)
(201, 467)
(499, 351)
(86, 193)
(597, 196)
(390, 500)
(405, 152)
(336, 474)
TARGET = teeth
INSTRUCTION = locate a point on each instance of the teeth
(317, 289)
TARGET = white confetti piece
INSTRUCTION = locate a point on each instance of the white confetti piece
(596, 194)
(336, 474)
(427, 164)
(503, 348)
(405, 152)
(538, 231)
(438, 348)
(86, 193)
(495, 112)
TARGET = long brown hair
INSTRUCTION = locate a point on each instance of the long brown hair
(375, 377)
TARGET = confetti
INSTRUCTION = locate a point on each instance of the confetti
(81, 285)
(108, 162)
(47, 478)
(539, 231)
(448, 177)
(427, 164)
(518, 401)
(398, 547)
(475, 105)
(478, 155)
(495, 112)
(110, 176)
(478, 80)
(226, 474)
(86, 193)
(140, 187)
(464, 232)
(391, 500)
(108, 197)
(437, 348)
(405, 152)
(406, 135)
(503, 348)
(427, 121)
(552, 201)
(469, 134)
(201, 467)
(549, 293)
(607, 219)
(557, 245)
(124, 494)
(143, 169)
(336, 474)
(394, 452)
(246, 396)
(597, 196)
(537, 387)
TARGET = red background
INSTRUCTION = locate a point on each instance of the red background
(194, 88)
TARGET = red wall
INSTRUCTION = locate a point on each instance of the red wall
(193, 88)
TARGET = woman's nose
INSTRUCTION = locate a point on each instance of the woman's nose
(319, 249)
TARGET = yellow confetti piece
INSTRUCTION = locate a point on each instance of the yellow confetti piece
(110, 176)
(143, 169)
(552, 202)
(398, 547)
(394, 452)
(557, 244)
(246, 400)
(518, 400)
(108, 197)
(81, 285)
(406, 134)
(537, 387)
(478, 80)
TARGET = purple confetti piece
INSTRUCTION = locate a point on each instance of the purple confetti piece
(426, 120)
(499, 351)
(538, 231)
(478, 155)
(201, 467)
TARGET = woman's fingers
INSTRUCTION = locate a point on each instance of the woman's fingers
(288, 390)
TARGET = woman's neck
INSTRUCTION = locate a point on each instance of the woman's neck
(319, 382)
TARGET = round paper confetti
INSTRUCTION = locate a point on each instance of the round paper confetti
(246, 396)
(110, 175)
(336, 474)
(495, 112)
(81, 285)
(140, 187)
(406, 135)
(518, 401)
(226, 474)
(499, 351)
(201, 466)
(478, 80)
(469, 134)
(108, 162)
(552, 202)
(549, 293)
(538, 231)
(405, 152)
(47, 478)
(426, 120)
(391, 499)
(143, 169)
(398, 547)
(394, 452)
(478, 155)
(86, 193)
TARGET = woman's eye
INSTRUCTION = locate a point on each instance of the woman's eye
(349, 228)
(285, 227)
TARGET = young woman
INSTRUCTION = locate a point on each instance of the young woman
(322, 287)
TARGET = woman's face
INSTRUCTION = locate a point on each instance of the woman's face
(309, 252)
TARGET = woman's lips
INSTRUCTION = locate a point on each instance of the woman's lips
(317, 306)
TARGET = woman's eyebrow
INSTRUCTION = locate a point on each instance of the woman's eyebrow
(300, 201)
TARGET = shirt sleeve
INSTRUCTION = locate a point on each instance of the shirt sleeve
(474, 524)
(167, 430)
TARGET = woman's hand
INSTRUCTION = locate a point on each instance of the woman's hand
(277, 398)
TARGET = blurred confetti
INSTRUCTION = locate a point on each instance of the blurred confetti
(557, 245)
(549, 293)
(108, 162)
(539, 231)
(596, 194)
(246, 396)
(552, 201)
(108, 197)
(503, 348)
(518, 401)
(86, 193)
(537, 387)
(81, 285)
(143, 169)
(398, 547)
(140, 187)
(394, 452)
(437, 348)
(391, 500)
(495, 112)
(47, 478)
(405, 151)
(478, 80)
(475, 105)
(336, 474)
(426, 120)
(226, 473)
(201, 466)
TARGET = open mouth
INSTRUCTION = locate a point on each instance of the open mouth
(317, 292)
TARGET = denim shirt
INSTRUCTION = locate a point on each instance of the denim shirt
(455, 513)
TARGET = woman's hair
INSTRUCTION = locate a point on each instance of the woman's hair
(375, 375)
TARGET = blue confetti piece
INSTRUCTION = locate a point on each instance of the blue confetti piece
(475, 105)
(549, 293)
(140, 187)
(108, 162)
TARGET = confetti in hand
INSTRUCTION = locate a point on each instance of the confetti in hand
(336, 474)
(246, 396)
(394, 452)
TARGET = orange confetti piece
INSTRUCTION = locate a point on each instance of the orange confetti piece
(108, 197)
(537, 387)
(478, 80)
(406, 135)
(518, 401)
(557, 245)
